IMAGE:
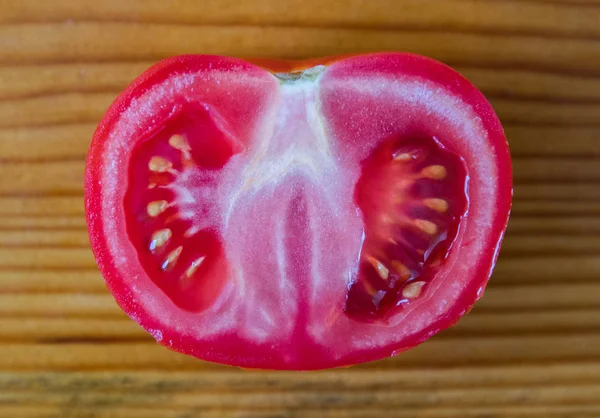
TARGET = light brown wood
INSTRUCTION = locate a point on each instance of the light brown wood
(529, 348)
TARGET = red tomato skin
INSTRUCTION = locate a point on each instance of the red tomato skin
(255, 357)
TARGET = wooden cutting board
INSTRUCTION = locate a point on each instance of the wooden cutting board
(531, 346)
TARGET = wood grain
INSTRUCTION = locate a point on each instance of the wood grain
(530, 347)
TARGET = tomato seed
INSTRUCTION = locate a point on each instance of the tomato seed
(172, 258)
(400, 269)
(403, 157)
(439, 205)
(159, 238)
(157, 207)
(191, 231)
(179, 142)
(160, 165)
(386, 219)
(371, 291)
(426, 226)
(435, 172)
(412, 290)
(382, 270)
(194, 266)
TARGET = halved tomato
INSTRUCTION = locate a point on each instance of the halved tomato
(297, 215)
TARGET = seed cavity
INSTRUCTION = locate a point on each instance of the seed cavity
(382, 270)
(412, 290)
(157, 207)
(160, 164)
(194, 266)
(179, 142)
(159, 238)
(435, 172)
(411, 192)
(426, 226)
(171, 259)
(439, 205)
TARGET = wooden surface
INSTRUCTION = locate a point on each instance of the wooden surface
(531, 346)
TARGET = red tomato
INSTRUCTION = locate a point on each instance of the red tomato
(297, 215)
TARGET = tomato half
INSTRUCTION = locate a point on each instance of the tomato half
(297, 215)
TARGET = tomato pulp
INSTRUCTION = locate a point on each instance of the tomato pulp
(297, 215)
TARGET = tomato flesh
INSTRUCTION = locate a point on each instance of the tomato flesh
(297, 216)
